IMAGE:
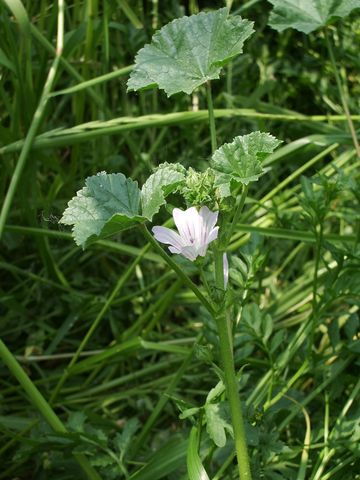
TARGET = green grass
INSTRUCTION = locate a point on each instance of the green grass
(113, 343)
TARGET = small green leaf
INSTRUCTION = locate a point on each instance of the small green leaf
(161, 183)
(257, 323)
(122, 440)
(189, 51)
(76, 421)
(217, 422)
(215, 392)
(241, 161)
(308, 15)
(101, 460)
(106, 205)
(190, 412)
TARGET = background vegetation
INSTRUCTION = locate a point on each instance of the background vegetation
(115, 312)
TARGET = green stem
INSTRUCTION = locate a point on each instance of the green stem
(177, 269)
(342, 93)
(211, 117)
(219, 267)
(36, 121)
(86, 84)
(238, 211)
(314, 315)
(231, 384)
(42, 405)
(225, 334)
(319, 241)
(204, 280)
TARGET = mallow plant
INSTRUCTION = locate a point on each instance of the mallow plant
(184, 55)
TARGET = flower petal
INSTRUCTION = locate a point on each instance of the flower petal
(168, 236)
(190, 252)
(209, 220)
(226, 270)
(187, 223)
(213, 235)
(208, 239)
(196, 230)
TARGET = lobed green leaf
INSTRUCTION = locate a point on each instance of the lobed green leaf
(167, 178)
(308, 15)
(189, 51)
(106, 205)
(241, 161)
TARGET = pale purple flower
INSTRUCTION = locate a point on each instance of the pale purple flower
(196, 230)
(226, 270)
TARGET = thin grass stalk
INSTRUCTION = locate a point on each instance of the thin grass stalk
(91, 130)
(36, 121)
(94, 81)
(314, 315)
(342, 93)
(47, 46)
(42, 405)
(329, 453)
(305, 452)
(211, 117)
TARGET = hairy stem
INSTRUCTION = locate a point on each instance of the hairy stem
(227, 359)
(231, 383)
(225, 333)
(211, 117)
(238, 211)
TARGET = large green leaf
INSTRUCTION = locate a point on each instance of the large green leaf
(161, 183)
(308, 15)
(241, 161)
(189, 51)
(106, 205)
